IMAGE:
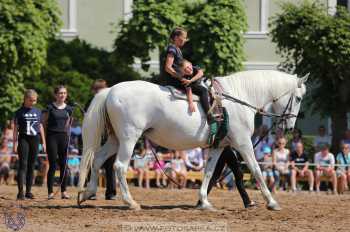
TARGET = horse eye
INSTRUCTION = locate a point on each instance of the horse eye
(298, 99)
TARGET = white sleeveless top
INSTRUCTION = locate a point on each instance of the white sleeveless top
(282, 160)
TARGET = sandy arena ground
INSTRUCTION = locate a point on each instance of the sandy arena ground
(300, 212)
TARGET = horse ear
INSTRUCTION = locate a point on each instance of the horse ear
(303, 80)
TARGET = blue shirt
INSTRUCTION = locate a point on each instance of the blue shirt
(28, 121)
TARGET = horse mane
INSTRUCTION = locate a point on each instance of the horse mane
(254, 86)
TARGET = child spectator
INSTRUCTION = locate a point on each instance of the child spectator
(267, 140)
(194, 159)
(142, 166)
(158, 167)
(281, 156)
(73, 166)
(268, 168)
(343, 172)
(178, 172)
(8, 134)
(5, 160)
(300, 167)
(325, 167)
(27, 131)
(322, 138)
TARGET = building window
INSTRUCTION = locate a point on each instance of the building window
(258, 13)
(69, 17)
(342, 3)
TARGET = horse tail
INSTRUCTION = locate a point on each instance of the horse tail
(93, 128)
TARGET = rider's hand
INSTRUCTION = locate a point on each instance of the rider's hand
(192, 108)
(186, 82)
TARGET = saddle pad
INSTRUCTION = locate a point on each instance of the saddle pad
(179, 94)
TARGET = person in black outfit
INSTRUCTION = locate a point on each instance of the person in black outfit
(111, 192)
(229, 158)
(26, 134)
(57, 119)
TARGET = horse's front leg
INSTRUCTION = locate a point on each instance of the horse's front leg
(247, 153)
(214, 155)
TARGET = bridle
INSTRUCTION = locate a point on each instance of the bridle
(282, 118)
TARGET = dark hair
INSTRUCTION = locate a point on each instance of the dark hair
(177, 32)
(58, 88)
(99, 84)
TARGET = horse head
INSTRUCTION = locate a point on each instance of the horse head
(288, 104)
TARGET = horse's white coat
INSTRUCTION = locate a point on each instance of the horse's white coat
(141, 107)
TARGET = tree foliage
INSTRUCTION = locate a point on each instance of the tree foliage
(25, 28)
(216, 36)
(312, 41)
(76, 64)
(215, 31)
(148, 29)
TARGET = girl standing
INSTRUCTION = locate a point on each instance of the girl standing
(57, 120)
(26, 133)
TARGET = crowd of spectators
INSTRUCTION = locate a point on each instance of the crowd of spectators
(284, 162)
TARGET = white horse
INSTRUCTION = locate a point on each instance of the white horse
(139, 107)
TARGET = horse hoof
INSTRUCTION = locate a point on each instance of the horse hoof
(207, 207)
(274, 206)
(134, 206)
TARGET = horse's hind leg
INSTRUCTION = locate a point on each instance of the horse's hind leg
(214, 155)
(247, 153)
(121, 165)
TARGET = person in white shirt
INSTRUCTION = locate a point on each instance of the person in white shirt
(322, 138)
(194, 159)
(325, 167)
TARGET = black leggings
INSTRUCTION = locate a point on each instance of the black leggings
(229, 158)
(28, 148)
(110, 176)
(202, 92)
(57, 144)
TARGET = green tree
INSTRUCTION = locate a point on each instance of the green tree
(216, 36)
(76, 64)
(148, 29)
(25, 28)
(312, 41)
(215, 29)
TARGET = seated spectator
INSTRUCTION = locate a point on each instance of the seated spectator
(300, 167)
(142, 166)
(281, 157)
(5, 160)
(279, 133)
(8, 134)
(194, 159)
(268, 169)
(158, 168)
(73, 167)
(346, 137)
(267, 140)
(343, 172)
(322, 138)
(325, 167)
(178, 171)
(297, 138)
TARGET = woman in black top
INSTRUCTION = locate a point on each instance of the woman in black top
(26, 134)
(57, 119)
(173, 58)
